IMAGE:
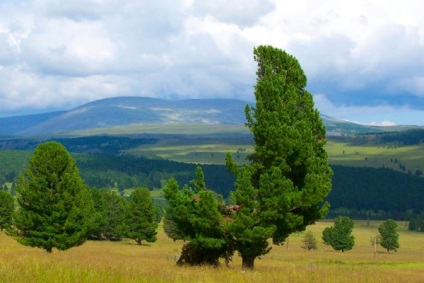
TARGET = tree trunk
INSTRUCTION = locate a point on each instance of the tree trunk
(248, 262)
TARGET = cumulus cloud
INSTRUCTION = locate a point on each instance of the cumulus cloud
(357, 54)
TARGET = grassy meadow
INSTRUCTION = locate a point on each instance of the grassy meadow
(211, 152)
(127, 262)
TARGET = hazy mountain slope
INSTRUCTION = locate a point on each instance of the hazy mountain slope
(131, 110)
(122, 111)
(13, 125)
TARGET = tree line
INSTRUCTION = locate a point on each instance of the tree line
(360, 193)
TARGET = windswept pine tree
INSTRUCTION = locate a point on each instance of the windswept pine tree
(290, 175)
(55, 206)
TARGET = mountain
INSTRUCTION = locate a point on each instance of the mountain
(124, 111)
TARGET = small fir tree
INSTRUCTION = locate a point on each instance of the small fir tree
(389, 237)
(141, 217)
(55, 206)
(114, 215)
(197, 213)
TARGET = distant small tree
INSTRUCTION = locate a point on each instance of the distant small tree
(7, 206)
(141, 217)
(389, 237)
(309, 242)
(339, 237)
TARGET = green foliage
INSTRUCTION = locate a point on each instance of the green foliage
(12, 162)
(339, 237)
(171, 228)
(102, 171)
(283, 189)
(290, 164)
(196, 211)
(376, 189)
(309, 242)
(110, 214)
(7, 206)
(248, 231)
(389, 237)
(141, 217)
(55, 206)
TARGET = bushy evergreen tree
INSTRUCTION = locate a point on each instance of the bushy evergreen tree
(114, 214)
(389, 237)
(197, 213)
(55, 206)
(7, 206)
(141, 217)
(339, 236)
(289, 176)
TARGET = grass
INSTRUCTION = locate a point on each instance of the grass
(411, 158)
(210, 153)
(127, 262)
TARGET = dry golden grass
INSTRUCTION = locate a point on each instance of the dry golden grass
(127, 262)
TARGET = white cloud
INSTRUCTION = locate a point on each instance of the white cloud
(382, 123)
(239, 12)
(363, 55)
(370, 115)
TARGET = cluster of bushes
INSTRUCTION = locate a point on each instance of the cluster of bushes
(340, 237)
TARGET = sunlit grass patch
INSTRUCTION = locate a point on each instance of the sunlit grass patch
(103, 261)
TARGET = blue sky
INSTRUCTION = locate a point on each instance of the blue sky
(364, 59)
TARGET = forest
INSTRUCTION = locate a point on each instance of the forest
(358, 192)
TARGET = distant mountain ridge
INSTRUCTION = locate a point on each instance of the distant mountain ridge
(124, 111)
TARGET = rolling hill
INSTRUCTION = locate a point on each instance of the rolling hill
(127, 111)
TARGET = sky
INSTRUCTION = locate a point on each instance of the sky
(364, 59)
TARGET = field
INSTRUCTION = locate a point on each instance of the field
(127, 262)
(407, 159)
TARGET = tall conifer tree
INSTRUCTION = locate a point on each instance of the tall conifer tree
(290, 174)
